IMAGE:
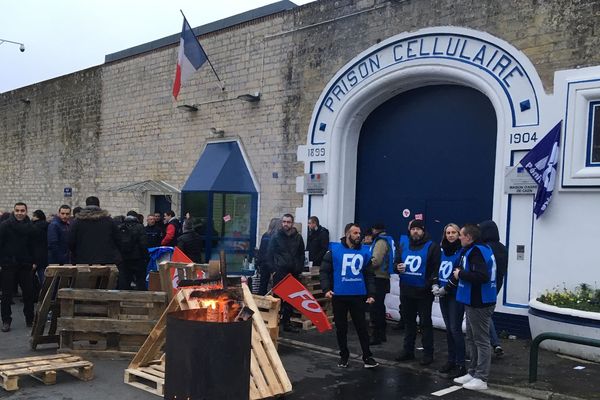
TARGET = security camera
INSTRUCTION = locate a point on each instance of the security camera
(22, 48)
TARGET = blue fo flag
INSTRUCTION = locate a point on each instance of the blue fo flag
(541, 162)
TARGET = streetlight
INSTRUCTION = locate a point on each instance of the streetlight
(21, 45)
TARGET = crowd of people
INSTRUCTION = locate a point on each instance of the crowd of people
(465, 272)
(82, 235)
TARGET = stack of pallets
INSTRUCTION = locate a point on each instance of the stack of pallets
(111, 324)
(65, 276)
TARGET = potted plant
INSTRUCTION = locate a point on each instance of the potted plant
(572, 312)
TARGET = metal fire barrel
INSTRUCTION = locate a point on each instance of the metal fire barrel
(206, 360)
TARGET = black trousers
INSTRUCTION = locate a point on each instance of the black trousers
(132, 271)
(377, 309)
(411, 307)
(356, 306)
(286, 309)
(265, 277)
(22, 275)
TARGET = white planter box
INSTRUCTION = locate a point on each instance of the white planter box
(546, 318)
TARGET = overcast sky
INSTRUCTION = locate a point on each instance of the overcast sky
(64, 36)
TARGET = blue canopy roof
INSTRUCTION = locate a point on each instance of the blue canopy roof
(221, 168)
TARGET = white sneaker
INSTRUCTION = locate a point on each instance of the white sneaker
(476, 384)
(461, 380)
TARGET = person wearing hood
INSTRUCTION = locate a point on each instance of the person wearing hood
(417, 263)
(17, 252)
(491, 237)
(347, 279)
(134, 253)
(93, 238)
(40, 224)
(452, 311)
(286, 256)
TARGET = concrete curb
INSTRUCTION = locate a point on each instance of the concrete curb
(503, 391)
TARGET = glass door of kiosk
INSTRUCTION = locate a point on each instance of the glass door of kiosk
(225, 221)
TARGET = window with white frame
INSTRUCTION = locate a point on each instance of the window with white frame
(593, 156)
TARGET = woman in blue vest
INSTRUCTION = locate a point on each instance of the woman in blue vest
(347, 279)
(452, 311)
(477, 291)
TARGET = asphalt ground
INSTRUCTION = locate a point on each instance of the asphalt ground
(310, 358)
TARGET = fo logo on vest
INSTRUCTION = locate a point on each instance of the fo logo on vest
(354, 261)
(446, 269)
(413, 262)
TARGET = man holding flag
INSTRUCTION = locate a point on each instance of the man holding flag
(347, 278)
(540, 163)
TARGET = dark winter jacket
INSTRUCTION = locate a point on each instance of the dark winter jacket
(58, 242)
(317, 244)
(93, 237)
(154, 235)
(190, 243)
(40, 256)
(17, 241)
(286, 251)
(326, 273)
(477, 275)
(431, 271)
(263, 256)
(491, 237)
(131, 239)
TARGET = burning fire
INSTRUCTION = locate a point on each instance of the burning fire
(212, 303)
(217, 305)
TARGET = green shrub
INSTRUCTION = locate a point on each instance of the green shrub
(583, 298)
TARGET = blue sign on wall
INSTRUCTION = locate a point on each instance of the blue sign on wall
(68, 192)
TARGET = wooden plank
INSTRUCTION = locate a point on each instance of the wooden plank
(108, 295)
(105, 325)
(268, 373)
(257, 379)
(270, 350)
(143, 381)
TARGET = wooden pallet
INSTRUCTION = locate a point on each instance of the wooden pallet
(182, 270)
(44, 369)
(269, 307)
(65, 276)
(267, 374)
(110, 324)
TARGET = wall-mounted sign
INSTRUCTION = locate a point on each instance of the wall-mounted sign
(518, 181)
(68, 192)
(315, 184)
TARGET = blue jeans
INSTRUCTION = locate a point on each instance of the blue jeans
(453, 313)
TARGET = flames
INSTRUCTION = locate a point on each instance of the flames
(216, 305)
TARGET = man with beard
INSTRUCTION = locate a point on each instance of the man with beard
(58, 233)
(17, 237)
(286, 256)
(418, 265)
(382, 260)
(347, 279)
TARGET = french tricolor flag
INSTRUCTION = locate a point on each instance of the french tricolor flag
(191, 57)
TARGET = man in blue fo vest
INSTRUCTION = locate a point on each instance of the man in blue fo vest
(382, 261)
(418, 264)
(347, 279)
(477, 291)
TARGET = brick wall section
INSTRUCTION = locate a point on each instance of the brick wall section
(51, 141)
(118, 124)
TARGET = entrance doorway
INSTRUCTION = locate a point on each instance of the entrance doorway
(428, 151)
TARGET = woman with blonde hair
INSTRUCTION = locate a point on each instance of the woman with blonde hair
(452, 310)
